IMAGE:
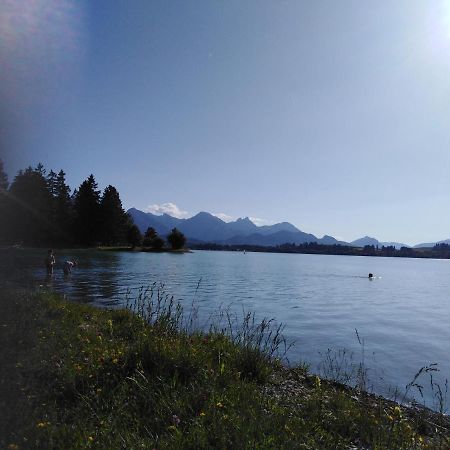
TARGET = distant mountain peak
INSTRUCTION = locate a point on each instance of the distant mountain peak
(244, 220)
(205, 227)
(206, 215)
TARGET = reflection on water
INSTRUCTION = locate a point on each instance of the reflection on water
(403, 314)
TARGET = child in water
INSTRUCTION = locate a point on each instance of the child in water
(67, 268)
(50, 262)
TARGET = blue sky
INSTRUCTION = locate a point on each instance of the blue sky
(330, 115)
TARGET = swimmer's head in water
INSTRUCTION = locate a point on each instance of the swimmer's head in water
(370, 275)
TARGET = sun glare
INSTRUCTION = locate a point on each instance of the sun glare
(446, 16)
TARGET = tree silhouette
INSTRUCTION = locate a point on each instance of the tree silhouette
(176, 239)
(4, 209)
(134, 236)
(63, 208)
(87, 212)
(113, 217)
(3, 178)
(151, 239)
(30, 207)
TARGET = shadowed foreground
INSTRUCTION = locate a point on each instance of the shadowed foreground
(73, 376)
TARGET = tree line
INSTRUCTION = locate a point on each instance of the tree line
(441, 251)
(39, 208)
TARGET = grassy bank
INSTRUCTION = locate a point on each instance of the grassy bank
(73, 376)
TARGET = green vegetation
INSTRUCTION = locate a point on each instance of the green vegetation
(38, 209)
(73, 376)
(152, 240)
(84, 218)
(176, 239)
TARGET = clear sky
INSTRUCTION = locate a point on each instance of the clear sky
(334, 116)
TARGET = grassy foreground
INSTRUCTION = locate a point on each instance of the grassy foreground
(74, 377)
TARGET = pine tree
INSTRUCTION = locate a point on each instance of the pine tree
(3, 178)
(30, 207)
(63, 210)
(151, 239)
(149, 236)
(4, 213)
(113, 217)
(176, 239)
(51, 183)
(87, 212)
(134, 236)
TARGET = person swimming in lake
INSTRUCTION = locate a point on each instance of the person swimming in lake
(68, 265)
(50, 262)
(370, 276)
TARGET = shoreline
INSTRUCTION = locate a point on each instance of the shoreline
(144, 249)
(425, 253)
(213, 390)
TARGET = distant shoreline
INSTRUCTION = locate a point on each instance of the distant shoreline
(144, 249)
(438, 252)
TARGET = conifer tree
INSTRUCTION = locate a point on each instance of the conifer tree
(87, 212)
(30, 207)
(3, 178)
(151, 239)
(51, 183)
(113, 217)
(134, 236)
(63, 211)
(4, 213)
(176, 239)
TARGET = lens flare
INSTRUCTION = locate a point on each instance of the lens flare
(38, 38)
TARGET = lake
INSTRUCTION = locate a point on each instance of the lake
(403, 315)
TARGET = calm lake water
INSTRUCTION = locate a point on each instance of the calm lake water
(403, 315)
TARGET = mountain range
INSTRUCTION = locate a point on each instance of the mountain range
(205, 227)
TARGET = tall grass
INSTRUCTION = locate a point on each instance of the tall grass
(261, 342)
(346, 367)
(145, 377)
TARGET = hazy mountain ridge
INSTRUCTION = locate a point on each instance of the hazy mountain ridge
(432, 244)
(208, 228)
(367, 240)
(205, 227)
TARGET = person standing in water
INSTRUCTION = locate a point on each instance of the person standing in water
(67, 268)
(50, 262)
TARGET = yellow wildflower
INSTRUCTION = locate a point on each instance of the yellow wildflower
(219, 405)
(202, 414)
(317, 382)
